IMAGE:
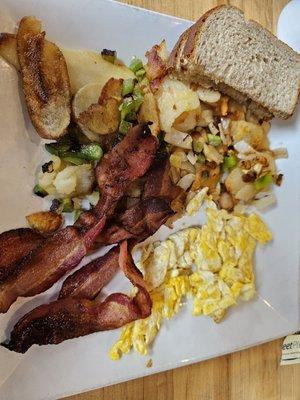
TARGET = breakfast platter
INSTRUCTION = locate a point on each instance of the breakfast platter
(150, 215)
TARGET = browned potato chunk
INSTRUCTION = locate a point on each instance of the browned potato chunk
(45, 80)
(44, 221)
(149, 113)
(8, 49)
(104, 118)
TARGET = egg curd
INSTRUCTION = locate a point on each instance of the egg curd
(212, 264)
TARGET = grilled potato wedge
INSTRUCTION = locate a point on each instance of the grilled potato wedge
(8, 49)
(45, 221)
(84, 66)
(45, 80)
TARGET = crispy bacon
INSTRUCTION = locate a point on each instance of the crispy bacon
(139, 221)
(14, 245)
(144, 218)
(49, 262)
(156, 66)
(128, 160)
(61, 252)
(73, 317)
(157, 180)
(88, 281)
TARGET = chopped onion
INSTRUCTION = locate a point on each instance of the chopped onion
(281, 152)
(243, 147)
(191, 156)
(225, 123)
(187, 166)
(212, 154)
(246, 193)
(264, 202)
(179, 139)
(212, 128)
(186, 181)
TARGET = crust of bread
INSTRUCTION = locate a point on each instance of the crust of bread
(179, 68)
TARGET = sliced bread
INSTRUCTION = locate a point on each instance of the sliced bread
(241, 59)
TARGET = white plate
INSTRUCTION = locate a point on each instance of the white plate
(82, 364)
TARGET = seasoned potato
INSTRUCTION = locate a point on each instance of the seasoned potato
(45, 79)
(89, 67)
(104, 117)
(101, 119)
(173, 99)
(45, 221)
(251, 133)
(74, 180)
(149, 113)
(8, 49)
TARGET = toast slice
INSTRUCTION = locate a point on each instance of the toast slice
(240, 58)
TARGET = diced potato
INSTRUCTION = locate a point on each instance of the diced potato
(177, 158)
(149, 113)
(212, 154)
(86, 66)
(188, 120)
(186, 181)
(246, 193)
(208, 95)
(234, 181)
(45, 221)
(174, 98)
(74, 180)
(179, 139)
(251, 133)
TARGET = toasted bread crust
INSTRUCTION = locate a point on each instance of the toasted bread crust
(45, 80)
(181, 68)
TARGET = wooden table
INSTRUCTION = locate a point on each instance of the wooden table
(252, 374)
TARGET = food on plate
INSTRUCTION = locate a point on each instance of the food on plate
(213, 264)
(45, 80)
(183, 135)
(14, 246)
(45, 221)
(103, 117)
(253, 67)
(65, 249)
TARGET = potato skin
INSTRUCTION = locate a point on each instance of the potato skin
(45, 221)
(45, 80)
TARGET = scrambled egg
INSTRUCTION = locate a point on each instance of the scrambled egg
(212, 264)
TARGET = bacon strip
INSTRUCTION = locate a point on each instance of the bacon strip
(14, 245)
(139, 221)
(158, 182)
(128, 160)
(71, 317)
(88, 281)
(61, 252)
(144, 218)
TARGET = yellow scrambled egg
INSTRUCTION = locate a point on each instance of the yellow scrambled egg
(213, 264)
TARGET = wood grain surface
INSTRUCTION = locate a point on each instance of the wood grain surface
(252, 374)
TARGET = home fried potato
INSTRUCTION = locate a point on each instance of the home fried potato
(8, 49)
(149, 113)
(89, 67)
(84, 66)
(45, 80)
(104, 117)
(45, 221)
(101, 120)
